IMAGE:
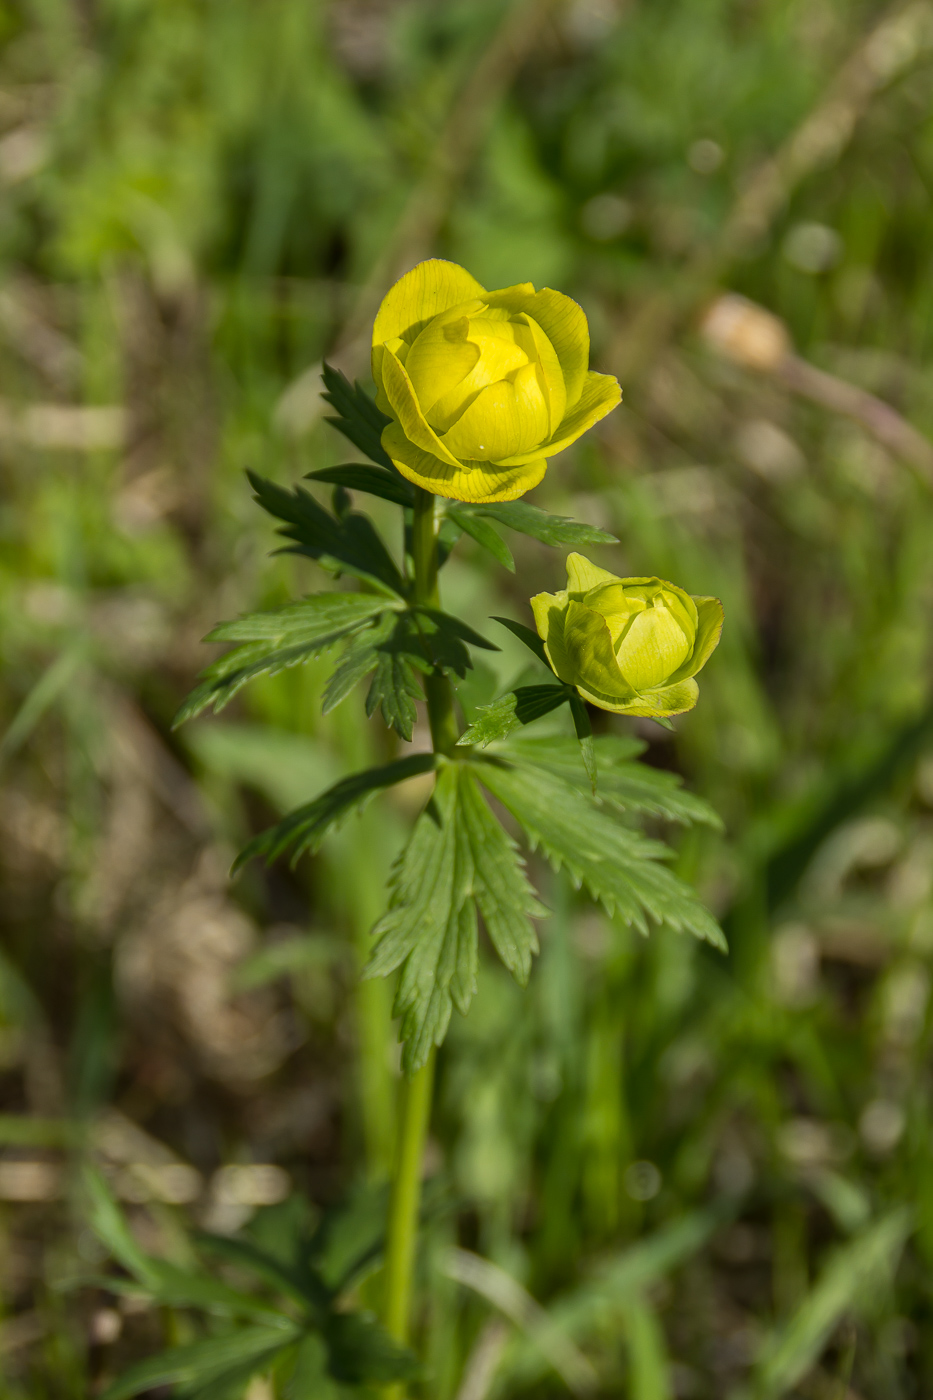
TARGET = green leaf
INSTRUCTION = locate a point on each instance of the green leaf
(454, 625)
(505, 898)
(483, 534)
(395, 689)
(518, 707)
(359, 659)
(459, 858)
(619, 867)
(304, 1372)
(624, 785)
(295, 1283)
(360, 1351)
(556, 530)
(524, 634)
(270, 642)
(422, 930)
(304, 829)
(861, 1267)
(376, 481)
(203, 1361)
(584, 731)
(184, 1288)
(648, 1361)
(109, 1224)
(358, 417)
(349, 544)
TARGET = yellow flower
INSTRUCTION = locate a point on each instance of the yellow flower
(630, 645)
(482, 387)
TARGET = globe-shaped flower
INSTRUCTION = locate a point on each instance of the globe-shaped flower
(630, 645)
(482, 387)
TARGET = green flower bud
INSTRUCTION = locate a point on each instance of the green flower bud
(630, 645)
(482, 387)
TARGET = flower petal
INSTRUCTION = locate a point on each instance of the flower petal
(667, 700)
(709, 630)
(430, 288)
(555, 390)
(652, 648)
(563, 322)
(404, 404)
(600, 395)
(441, 357)
(481, 482)
(506, 417)
(590, 653)
(582, 576)
(549, 609)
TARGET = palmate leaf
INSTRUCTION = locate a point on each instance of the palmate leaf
(619, 867)
(458, 858)
(556, 530)
(624, 785)
(304, 829)
(376, 481)
(348, 544)
(272, 641)
(357, 418)
(511, 711)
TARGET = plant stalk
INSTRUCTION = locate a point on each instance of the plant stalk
(415, 1105)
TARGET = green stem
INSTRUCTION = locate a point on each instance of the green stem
(415, 1112)
(415, 1106)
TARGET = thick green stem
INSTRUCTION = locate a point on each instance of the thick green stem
(415, 1106)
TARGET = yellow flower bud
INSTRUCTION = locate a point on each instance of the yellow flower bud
(482, 387)
(630, 645)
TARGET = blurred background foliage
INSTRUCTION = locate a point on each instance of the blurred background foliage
(687, 1176)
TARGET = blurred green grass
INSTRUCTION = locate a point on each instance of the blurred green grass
(706, 1170)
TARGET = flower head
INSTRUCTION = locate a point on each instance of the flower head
(630, 645)
(482, 387)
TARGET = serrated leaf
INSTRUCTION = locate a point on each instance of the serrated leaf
(624, 785)
(420, 931)
(619, 867)
(394, 690)
(456, 626)
(484, 534)
(304, 829)
(584, 732)
(524, 634)
(518, 707)
(457, 853)
(350, 544)
(270, 642)
(358, 660)
(203, 1361)
(555, 530)
(358, 417)
(376, 481)
(360, 1351)
(505, 898)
